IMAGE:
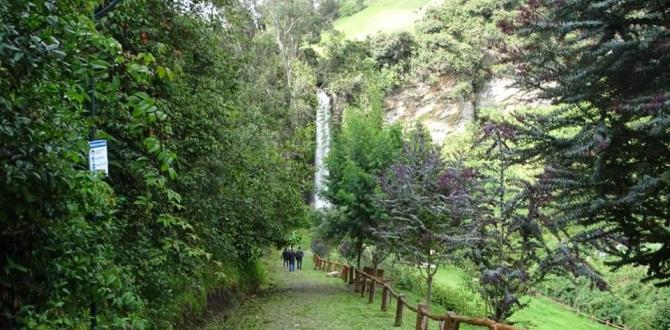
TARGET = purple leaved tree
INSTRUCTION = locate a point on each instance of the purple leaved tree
(428, 207)
(513, 253)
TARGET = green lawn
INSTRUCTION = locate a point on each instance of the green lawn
(541, 314)
(381, 15)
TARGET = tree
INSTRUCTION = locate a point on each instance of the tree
(607, 146)
(428, 205)
(512, 254)
(294, 22)
(360, 152)
(392, 49)
(329, 10)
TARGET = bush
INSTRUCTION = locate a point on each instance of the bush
(391, 49)
(350, 7)
(459, 299)
(320, 247)
(662, 317)
(628, 301)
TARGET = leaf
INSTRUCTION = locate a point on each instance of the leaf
(152, 144)
(98, 64)
(50, 6)
(52, 20)
(160, 71)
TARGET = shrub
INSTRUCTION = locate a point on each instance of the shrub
(320, 247)
(350, 7)
(392, 49)
(460, 299)
(662, 317)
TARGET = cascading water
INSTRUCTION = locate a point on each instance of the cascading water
(322, 147)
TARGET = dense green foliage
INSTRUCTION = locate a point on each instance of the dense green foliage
(461, 39)
(606, 150)
(628, 301)
(204, 172)
(457, 298)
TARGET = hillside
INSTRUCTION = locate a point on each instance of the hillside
(383, 16)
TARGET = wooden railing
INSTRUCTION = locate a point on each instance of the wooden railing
(366, 283)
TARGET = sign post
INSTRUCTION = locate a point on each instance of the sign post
(97, 156)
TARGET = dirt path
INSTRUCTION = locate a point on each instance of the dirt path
(305, 299)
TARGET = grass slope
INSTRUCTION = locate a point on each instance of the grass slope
(381, 15)
(540, 314)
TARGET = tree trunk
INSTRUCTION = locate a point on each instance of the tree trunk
(429, 291)
(360, 251)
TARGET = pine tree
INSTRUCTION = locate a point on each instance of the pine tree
(607, 146)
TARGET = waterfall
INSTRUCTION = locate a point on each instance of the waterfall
(322, 147)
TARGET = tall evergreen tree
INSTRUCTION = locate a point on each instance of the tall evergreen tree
(607, 148)
(361, 151)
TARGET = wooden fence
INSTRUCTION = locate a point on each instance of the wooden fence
(366, 283)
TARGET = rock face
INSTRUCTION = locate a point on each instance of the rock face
(443, 115)
(501, 94)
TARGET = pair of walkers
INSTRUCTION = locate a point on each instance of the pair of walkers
(291, 257)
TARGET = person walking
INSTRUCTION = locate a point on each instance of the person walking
(284, 255)
(298, 257)
(291, 260)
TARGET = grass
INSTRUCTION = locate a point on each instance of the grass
(545, 314)
(381, 15)
(540, 314)
(307, 299)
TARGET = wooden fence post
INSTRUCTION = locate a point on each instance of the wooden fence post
(351, 274)
(385, 298)
(450, 324)
(373, 286)
(421, 320)
(398, 310)
(345, 273)
(363, 281)
(357, 280)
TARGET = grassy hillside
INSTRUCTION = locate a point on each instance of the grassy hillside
(541, 314)
(381, 15)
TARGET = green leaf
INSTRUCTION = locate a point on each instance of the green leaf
(160, 71)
